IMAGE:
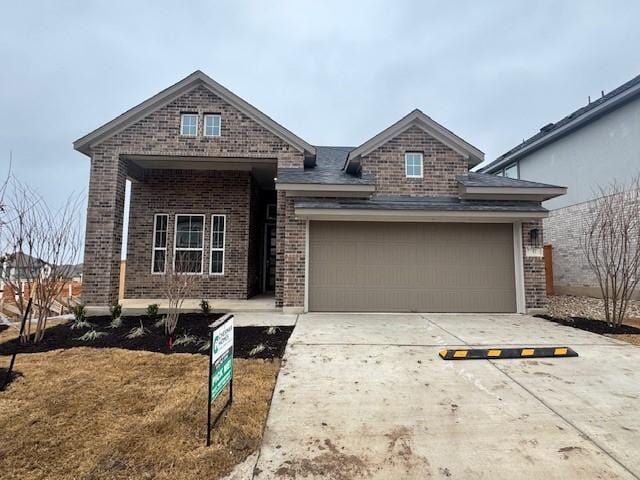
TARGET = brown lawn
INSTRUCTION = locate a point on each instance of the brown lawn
(90, 413)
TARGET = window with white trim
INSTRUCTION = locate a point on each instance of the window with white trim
(159, 254)
(189, 124)
(218, 231)
(511, 171)
(188, 243)
(413, 164)
(212, 125)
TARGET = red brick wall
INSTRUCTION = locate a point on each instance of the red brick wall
(441, 165)
(534, 280)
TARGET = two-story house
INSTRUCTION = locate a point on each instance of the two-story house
(221, 190)
(591, 147)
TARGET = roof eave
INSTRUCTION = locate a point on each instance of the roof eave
(540, 194)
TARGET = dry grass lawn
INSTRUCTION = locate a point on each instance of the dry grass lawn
(95, 414)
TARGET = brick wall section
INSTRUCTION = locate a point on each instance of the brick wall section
(202, 192)
(103, 234)
(294, 258)
(441, 165)
(158, 134)
(563, 230)
(281, 201)
(534, 279)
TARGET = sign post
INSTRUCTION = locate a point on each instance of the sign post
(220, 366)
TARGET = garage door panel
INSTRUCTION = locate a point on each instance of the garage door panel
(430, 267)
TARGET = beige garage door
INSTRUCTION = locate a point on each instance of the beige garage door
(411, 267)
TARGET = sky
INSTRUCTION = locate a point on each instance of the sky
(333, 72)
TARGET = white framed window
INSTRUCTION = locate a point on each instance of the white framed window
(413, 164)
(212, 125)
(159, 254)
(218, 234)
(189, 124)
(511, 171)
(188, 243)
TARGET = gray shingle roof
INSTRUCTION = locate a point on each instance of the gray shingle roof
(473, 179)
(552, 127)
(328, 170)
(423, 203)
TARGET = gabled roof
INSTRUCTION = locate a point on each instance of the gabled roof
(166, 96)
(577, 119)
(424, 122)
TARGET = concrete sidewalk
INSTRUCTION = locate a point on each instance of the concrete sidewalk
(366, 396)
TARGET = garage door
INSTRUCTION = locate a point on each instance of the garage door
(411, 267)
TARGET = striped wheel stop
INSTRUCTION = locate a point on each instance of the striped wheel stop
(499, 353)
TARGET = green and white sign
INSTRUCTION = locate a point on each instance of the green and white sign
(221, 358)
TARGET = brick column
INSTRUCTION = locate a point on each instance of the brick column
(103, 238)
(535, 291)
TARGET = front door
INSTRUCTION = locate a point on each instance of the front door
(269, 278)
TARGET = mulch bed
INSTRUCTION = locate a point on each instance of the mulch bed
(594, 326)
(249, 342)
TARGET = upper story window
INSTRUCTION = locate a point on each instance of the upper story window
(511, 171)
(413, 165)
(212, 125)
(189, 124)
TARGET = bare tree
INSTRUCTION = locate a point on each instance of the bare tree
(40, 248)
(177, 285)
(611, 244)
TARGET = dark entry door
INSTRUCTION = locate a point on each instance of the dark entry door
(270, 258)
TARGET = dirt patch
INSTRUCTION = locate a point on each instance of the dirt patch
(192, 336)
(561, 306)
(633, 339)
(115, 414)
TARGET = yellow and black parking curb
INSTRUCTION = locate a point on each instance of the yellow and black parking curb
(499, 353)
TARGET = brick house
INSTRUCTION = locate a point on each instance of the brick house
(591, 147)
(398, 223)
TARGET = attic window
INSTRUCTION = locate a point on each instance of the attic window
(413, 165)
(211, 125)
(189, 124)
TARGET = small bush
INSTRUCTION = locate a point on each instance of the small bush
(152, 311)
(186, 339)
(79, 312)
(115, 310)
(160, 322)
(116, 322)
(91, 335)
(137, 332)
(205, 307)
(257, 349)
(272, 330)
(204, 345)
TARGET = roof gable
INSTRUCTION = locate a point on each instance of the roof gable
(166, 96)
(415, 119)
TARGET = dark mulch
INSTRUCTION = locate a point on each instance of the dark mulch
(195, 325)
(594, 326)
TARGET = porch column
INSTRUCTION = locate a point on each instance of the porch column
(103, 238)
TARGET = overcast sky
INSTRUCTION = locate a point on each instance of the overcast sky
(333, 72)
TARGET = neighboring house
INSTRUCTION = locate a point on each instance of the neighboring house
(591, 147)
(395, 224)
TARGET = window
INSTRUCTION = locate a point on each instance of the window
(413, 165)
(188, 247)
(189, 124)
(218, 226)
(159, 254)
(212, 125)
(512, 171)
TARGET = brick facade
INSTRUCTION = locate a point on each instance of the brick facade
(441, 165)
(535, 292)
(158, 134)
(202, 192)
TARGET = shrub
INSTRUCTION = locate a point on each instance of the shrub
(80, 320)
(186, 339)
(152, 311)
(257, 349)
(137, 332)
(115, 310)
(205, 307)
(91, 335)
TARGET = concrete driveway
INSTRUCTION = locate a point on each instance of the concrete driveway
(366, 396)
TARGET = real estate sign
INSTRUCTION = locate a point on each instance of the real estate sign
(221, 358)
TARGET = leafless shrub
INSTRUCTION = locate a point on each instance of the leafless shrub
(611, 245)
(40, 247)
(178, 282)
